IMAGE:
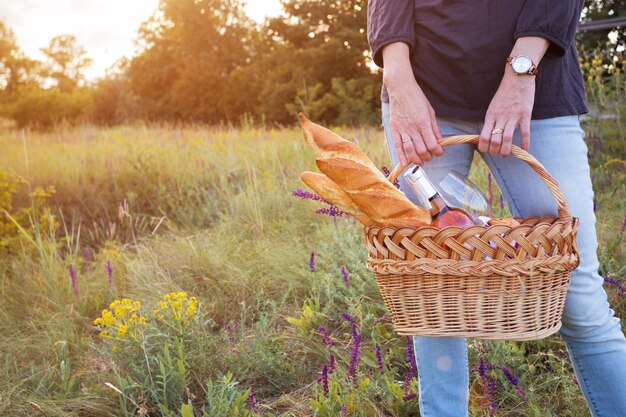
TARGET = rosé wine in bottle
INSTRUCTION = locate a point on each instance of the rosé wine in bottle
(442, 214)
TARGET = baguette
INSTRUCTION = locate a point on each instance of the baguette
(351, 169)
(329, 191)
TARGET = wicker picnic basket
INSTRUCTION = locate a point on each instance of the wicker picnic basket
(488, 282)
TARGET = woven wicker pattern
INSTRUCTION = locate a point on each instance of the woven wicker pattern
(495, 282)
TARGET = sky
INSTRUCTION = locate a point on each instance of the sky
(105, 28)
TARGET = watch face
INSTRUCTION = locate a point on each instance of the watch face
(521, 64)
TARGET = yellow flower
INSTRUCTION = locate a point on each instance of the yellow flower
(122, 330)
(115, 348)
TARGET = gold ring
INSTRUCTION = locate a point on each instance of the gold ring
(497, 131)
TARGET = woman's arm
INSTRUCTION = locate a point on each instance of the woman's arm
(391, 36)
(543, 27)
(512, 105)
(411, 117)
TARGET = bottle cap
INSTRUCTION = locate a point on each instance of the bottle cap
(419, 181)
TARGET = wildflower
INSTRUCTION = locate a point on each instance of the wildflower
(409, 397)
(110, 274)
(595, 205)
(344, 411)
(88, 259)
(312, 262)
(501, 201)
(621, 287)
(308, 195)
(177, 307)
(327, 340)
(122, 331)
(410, 355)
(122, 321)
(74, 282)
(332, 211)
(344, 275)
(252, 402)
(379, 359)
(386, 171)
(354, 355)
(346, 316)
(382, 319)
(229, 332)
(331, 368)
(324, 379)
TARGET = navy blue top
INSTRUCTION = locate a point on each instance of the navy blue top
(459, 50)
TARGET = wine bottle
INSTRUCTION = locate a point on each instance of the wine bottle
(442, 214)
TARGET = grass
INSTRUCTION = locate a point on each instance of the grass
(141, 212)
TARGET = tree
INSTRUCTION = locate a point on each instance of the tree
(190, 49)
(66, 63)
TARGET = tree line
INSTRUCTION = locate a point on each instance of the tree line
(205, 61)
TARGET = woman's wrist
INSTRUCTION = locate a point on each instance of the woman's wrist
(397, 70)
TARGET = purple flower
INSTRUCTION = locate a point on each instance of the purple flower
(396, 182)
(595, 205)
(74, 282)
(489, 385)
(332, 211)
(501, 201)
(354, 355)
(327, 340)
(409, 397)
(382, 319)
(308, 196)
(487, 400)
(312, 262)
(344, 275)
(331, 368)
(346, 316)
(344, 411)
(88, 259)
(229, 332)
(110, 274)
(379, 359)
(324, 379)
(252, 402)
(621, 287)
(410, 356)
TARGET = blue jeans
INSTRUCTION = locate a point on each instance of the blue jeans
(592, 334)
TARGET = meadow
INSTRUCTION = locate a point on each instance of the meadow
(171, 271)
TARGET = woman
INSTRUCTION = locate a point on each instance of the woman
(508, 71)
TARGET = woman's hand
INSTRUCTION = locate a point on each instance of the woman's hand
(510, 108)
(512, 105)
(411, 117)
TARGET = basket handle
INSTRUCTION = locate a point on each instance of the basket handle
(516, 151)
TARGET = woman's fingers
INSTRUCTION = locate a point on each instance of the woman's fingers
(397, 143)
(524, 128)
(485, 135)
(507, 138)
(408, 144)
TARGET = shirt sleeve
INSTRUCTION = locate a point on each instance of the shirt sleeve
(555, 21)
(389, 21)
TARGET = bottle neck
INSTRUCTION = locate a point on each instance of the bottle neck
(437, 206)
(426, 192)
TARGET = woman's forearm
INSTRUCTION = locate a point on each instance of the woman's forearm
(397, 68)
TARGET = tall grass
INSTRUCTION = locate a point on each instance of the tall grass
(141, 212)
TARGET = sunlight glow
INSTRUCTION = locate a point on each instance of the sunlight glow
(106, 29)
